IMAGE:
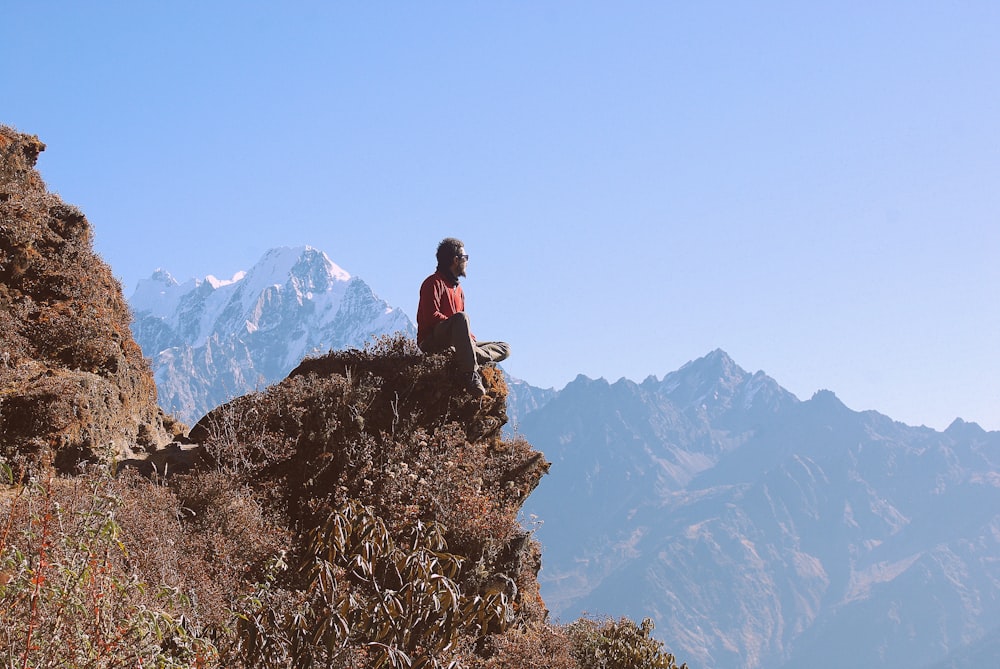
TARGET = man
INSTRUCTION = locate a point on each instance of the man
(442, 321)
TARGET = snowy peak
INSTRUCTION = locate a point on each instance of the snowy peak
(199, 308)
(163, 276)
(154, 291)
(302, 269)
(219, 283)
(211, 339)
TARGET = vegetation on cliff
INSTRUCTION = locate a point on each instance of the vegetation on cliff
(361, 513)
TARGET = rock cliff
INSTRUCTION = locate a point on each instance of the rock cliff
(363, 510)
(73, 383)
(393, 430)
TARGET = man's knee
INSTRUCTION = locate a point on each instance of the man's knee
(446, 333)
(459, 321)
(457, 328)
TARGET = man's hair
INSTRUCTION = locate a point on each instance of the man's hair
(447, 250)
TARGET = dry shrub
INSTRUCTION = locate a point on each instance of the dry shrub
(70, 594)
(228, 541)
(98, 571)
(320, 537)
(344, 425)
(373, 599)
(535, 646)
(390, 429)
(204, 534)
(621, 644)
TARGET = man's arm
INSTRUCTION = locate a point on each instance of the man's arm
(432, 305)
(429, 310)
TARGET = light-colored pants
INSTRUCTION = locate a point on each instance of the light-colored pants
(468, 353)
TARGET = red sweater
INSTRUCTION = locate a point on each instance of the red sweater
(440, 299)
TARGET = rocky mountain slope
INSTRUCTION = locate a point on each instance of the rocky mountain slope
(392, 429)
(212, 340)
(762, 531)
(73, 382)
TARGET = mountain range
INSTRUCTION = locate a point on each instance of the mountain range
(211, 340)
(756, 529)
(763, 531)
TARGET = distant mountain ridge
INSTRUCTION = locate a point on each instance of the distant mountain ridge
(212, 340)
(759, 530)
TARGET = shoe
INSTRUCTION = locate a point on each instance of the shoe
(475, 384)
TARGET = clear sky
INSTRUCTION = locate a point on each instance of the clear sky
(812, 187)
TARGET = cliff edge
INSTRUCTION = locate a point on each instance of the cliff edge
(361, 513)
(73, 383)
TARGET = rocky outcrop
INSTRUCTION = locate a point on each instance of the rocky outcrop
(73, 383)
(396, 430)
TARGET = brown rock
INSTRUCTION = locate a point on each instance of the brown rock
(396, 430)
(73, 383)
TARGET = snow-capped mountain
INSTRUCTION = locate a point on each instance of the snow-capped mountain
(211, 340)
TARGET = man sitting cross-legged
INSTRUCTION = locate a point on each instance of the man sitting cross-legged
(442, 321)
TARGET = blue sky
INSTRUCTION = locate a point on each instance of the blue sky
(812, 187)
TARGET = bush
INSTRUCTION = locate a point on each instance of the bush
(372, 601)
(68, 596)
(361, 514)
(618, 644)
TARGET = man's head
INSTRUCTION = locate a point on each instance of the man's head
(451, 256)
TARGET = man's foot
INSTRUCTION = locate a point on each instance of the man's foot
(475, 384)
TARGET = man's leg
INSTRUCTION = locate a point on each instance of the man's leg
(455, 332)
(491, 351)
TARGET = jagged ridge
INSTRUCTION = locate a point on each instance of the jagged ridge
(213, 340)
